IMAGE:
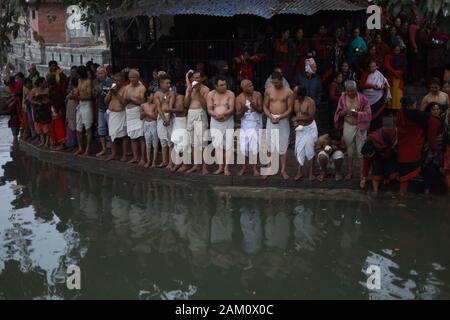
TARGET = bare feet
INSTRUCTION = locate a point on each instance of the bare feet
(227, 172)
(338, 177)
(193, 169)
(86, 153)
(123, 159)
(205, 171)
(147, 164)
(101, 153)
(242, 171)
(111, 157)
(79, 151)
(320, 177)
(284, 175)
(298, 176)
(141, 163)
(153, 165)
(362, 184)
(174, 168)
(218, 171)
(183, 168)
(133, 160)
(255, 172)
(162, 164)
(59, 147)
(264, 177)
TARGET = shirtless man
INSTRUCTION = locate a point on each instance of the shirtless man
(305, 131)
(249, 109)
(164, 100)
(134, 98)
(117, 118)
(220, 104)
(330, 149)
(435, 95)
(197, 119)
(84, 115)
(180, 137)
(149, 114)
(278, 106)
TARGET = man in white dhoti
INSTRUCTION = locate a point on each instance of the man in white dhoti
(305, 131)
(197, 119)
(135, 97)
(149, 115)
(180, 136)
(84, 114)
(117, 120)
(220, 104)
(164, 100)
(249, 108)
(278, 105)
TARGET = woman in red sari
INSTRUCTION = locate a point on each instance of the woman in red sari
(411, 125)
(56, 95)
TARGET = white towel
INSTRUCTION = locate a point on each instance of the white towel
(251, 122)
(283, 134)
(179, 135)
(117, 124)
(135, 126)
(219, 135)
(305, 141)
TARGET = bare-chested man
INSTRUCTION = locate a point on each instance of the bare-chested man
(330, 149)
(135, 97)
(149, 114)
(84, 116)
(197, 119)
(220, 104)
(180, 137)
(117, 117)
(278, 105)
(305, 131)
(249, 109)
(164, 100)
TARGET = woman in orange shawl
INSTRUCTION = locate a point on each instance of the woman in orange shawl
(395, 64)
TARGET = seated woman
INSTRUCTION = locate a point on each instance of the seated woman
(379, 155)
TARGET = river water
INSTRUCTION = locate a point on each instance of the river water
(159, 240)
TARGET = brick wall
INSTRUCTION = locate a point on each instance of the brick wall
(52, 32)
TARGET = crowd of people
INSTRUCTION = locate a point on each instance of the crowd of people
(121, 110)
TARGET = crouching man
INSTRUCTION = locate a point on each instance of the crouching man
(330, 149)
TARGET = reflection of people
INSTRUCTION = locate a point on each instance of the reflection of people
(251, 227)
(306, 234)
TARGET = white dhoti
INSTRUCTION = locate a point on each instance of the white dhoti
(354, 139)
(135, 126)
(180, 137)
(84, 115)
(117, 124)
(197, 127)
(251, 122)
(150, 134)
(222, 133)
(305, 141)
(282, 143)
(164, 133)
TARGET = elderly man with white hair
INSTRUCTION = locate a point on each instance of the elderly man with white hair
(353, 115)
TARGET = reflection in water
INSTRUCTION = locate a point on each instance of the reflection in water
(162, 241)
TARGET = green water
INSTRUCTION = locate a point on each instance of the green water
(160, 240)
